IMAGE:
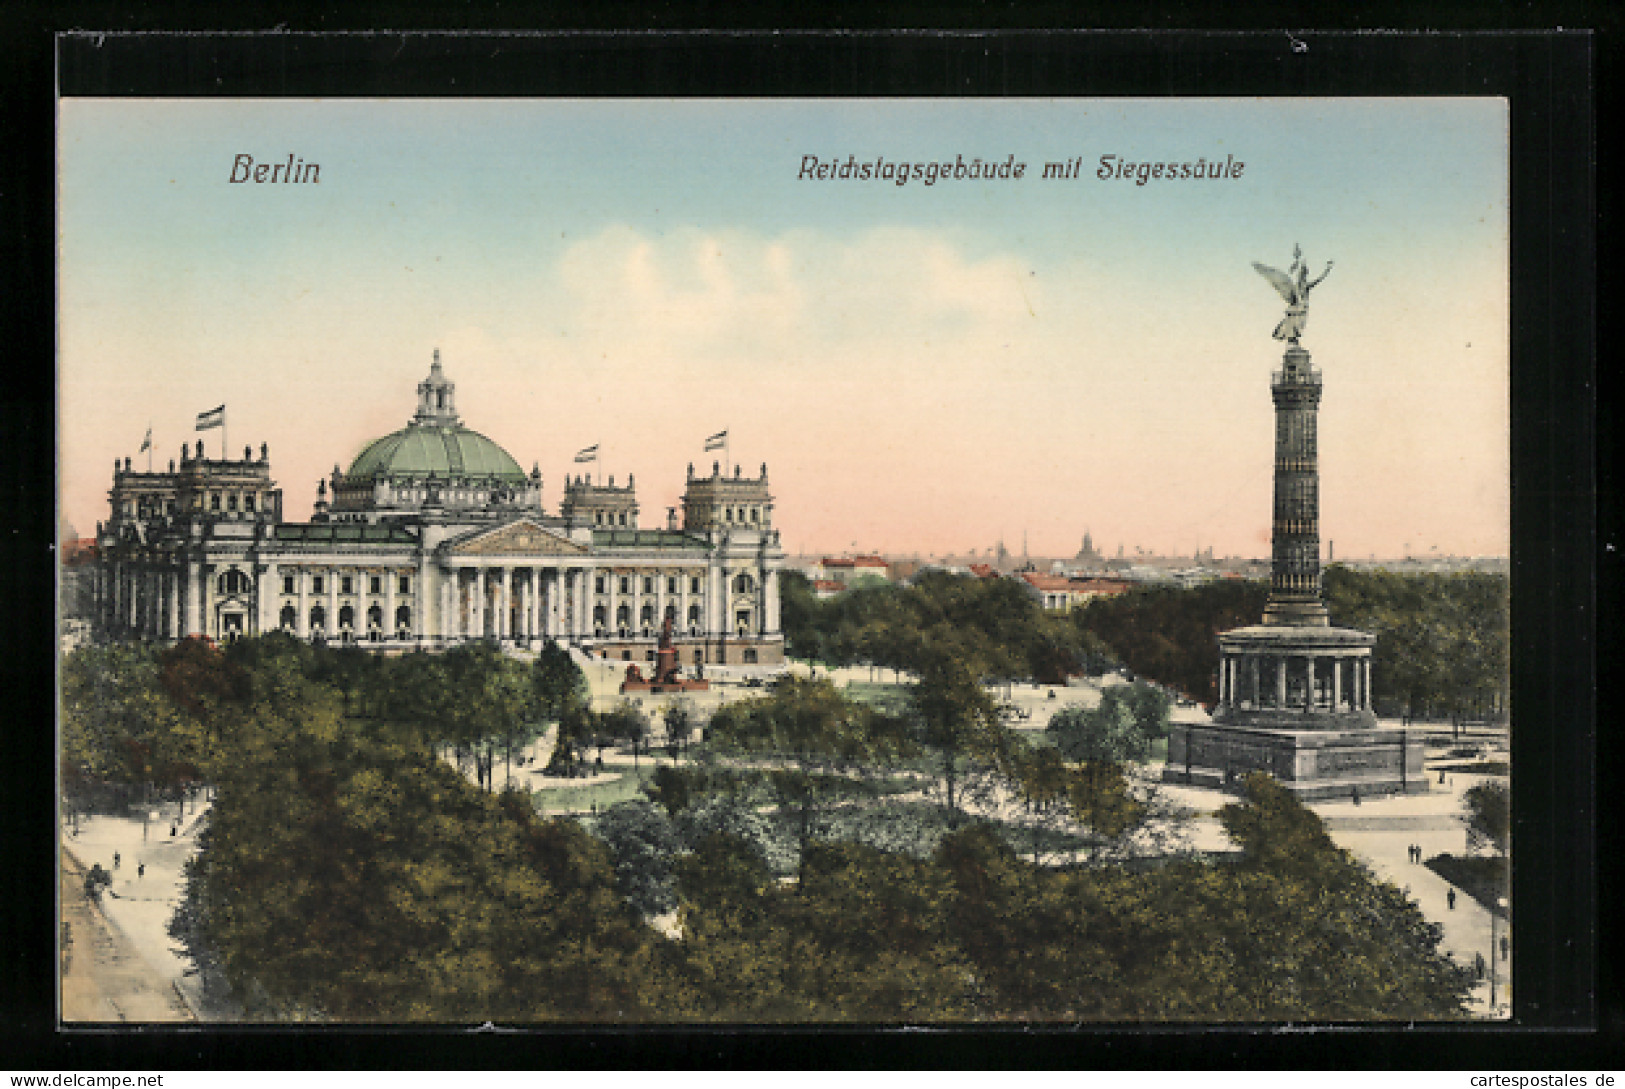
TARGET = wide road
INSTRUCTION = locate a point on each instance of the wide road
(105, 979)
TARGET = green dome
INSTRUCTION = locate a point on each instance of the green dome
(417, 451)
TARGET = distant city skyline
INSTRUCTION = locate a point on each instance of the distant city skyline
(923, 368)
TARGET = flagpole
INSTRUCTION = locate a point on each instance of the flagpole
(149, 446)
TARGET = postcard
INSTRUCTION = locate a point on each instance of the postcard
(693, 561)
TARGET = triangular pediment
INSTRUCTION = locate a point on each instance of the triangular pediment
(521, 538)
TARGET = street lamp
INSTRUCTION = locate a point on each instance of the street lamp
(1500, 906)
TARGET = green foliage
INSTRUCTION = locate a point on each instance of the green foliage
(1171, 633)
(1105, 734)
(736, 817)
(1487, 809)
(1442, 639)
(958, 721)
(973, 932)
(559, 683)
(643, 842)
(350, 878)
(816, 740)
(350, 874)
(899, 626)
(758, 951)
(122, 724)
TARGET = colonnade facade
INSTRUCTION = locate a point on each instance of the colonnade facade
(419, 598)
(1305, 681)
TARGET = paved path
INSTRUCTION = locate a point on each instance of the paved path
(138, 906)
(104, 978)
(1377, 832)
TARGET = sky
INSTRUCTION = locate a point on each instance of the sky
(923, 368)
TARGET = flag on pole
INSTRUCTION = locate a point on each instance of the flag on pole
(146, 443)
(215, 417)
(589, 454)
(717, 441)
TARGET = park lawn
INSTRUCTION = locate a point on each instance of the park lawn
(581, 799)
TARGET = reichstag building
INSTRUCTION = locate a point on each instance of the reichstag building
(436, 536)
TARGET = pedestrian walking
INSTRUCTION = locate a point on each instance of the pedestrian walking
(1450, 899)
(141, 869)
(1506, 947)
(115, 860)
(1478, 965)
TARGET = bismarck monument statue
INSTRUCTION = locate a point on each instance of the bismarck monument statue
(1295, 691)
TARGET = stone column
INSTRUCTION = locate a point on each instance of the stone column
(1308, 682)
(332, 603)
(1337, 684)
(770, 601)
(209, 627)
(505, 617)
(420, 598)
(716, 605)
(449, 588)
(301, 621)
(389, 604)
(173, 598)
(1280, 682)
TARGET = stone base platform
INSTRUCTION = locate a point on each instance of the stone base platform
(1315, 765)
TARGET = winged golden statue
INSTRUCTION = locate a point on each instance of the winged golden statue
(1294, 286)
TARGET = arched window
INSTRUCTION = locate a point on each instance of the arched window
(375, 617)
(318, 618)
(755, 514)
(742, 621)
(623, 616)
(346, 618)
(744, 584)
(214, 501)
(403, 619)
(647, 616)
(599, 616)
(693, 620)
(290, 617)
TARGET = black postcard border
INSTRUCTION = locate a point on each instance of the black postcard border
(1561, 487)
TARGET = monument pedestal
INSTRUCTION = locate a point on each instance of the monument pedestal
(1314, 764)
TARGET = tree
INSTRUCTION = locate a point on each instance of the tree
(1107, 734)
(957, 718)
(643, 843)
(733, 817)
(1487, 809)
(559, 682)
(820, 742)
